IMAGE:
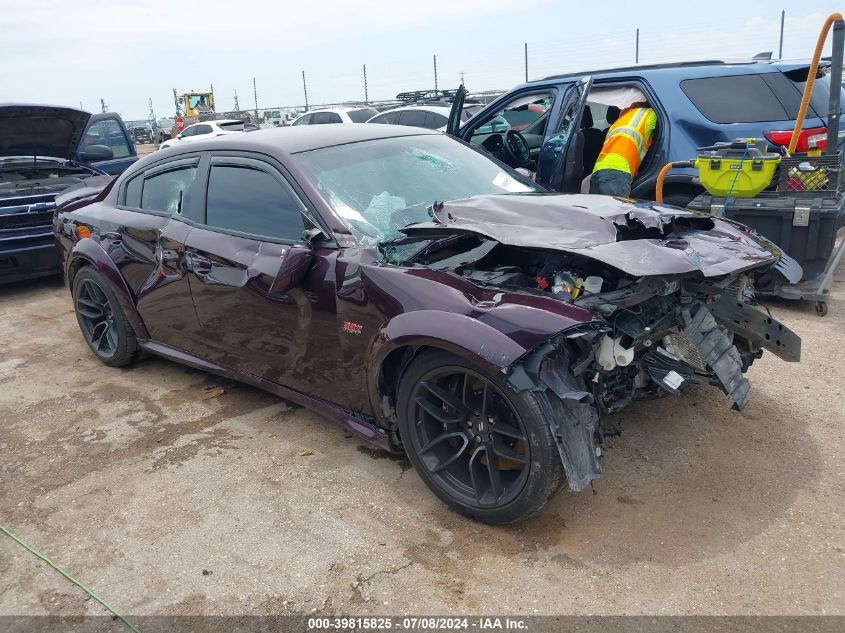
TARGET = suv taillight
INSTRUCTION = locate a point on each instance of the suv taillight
(810, 138)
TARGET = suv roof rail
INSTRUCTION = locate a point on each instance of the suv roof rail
(420, 95)
(687, 64)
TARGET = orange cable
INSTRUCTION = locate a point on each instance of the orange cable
(811, 77)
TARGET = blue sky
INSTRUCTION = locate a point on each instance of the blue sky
(126, 51)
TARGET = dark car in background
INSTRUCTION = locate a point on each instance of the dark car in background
(563, 118)
(142, 133)
(44, 150)
(421, 293)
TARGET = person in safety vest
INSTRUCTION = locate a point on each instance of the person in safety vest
(624, 148)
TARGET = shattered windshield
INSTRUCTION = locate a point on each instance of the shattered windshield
(378, 187)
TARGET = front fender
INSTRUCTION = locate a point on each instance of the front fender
(460, 334)
(492, 340)
(89, 251)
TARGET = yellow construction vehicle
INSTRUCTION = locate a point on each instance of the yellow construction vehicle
(198, 104)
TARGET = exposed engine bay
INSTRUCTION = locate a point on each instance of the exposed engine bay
(33, 178)
(654, 339)
(671, 297)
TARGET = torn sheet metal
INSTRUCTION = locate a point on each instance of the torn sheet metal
(718, 352)
(573, 420)
(639, 238)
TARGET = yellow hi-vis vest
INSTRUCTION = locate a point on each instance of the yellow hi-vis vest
(627, 141)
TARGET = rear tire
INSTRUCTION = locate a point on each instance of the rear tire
(101, 319)
(454, 417)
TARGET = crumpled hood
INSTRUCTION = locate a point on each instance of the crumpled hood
(30, 130)
(639, 238)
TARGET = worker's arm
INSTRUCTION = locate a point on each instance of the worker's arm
(650, 125)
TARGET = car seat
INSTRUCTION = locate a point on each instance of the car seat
(593, 141)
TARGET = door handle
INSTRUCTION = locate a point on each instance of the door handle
(200, 264)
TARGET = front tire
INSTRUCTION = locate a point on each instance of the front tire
(484, 449)
(101, 319)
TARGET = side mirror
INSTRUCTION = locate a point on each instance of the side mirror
(96, 152)
(294, 265)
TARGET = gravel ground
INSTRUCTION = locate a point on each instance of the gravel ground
(168, 503)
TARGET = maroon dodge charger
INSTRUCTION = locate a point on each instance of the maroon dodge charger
(423, 294)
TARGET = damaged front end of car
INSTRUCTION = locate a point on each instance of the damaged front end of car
(675, 293)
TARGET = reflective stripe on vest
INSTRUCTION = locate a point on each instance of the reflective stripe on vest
(626, 139)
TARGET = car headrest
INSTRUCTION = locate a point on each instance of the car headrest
(587, 118)
(612, 114)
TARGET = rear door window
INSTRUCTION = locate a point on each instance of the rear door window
(435, 121)
(166, 191)
(735, 99)
(414, 118)
(387, 117)
(362, 115)
(319, 118)
(249, 200)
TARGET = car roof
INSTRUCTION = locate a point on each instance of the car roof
(341, 109)
(292, 140)
(424, 107)
(714, 66)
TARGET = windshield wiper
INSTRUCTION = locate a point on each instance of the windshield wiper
(432, 245)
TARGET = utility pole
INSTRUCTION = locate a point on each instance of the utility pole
(526, 62)
(637, 48)
(213, 107)
(103, 105)
(366, 96)
(305, 90)
(780, 47)
(435, 72)
(255, 96)
(176, 101)
(237, 107)
(462, 78)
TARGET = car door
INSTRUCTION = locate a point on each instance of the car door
(541, 104)
(324, 118)
(108, 130)
(561, 162)
(253, 218)
(413, 118)
(148, 245)
(199, 132)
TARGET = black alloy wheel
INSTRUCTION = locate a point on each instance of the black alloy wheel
(101, 319)
(483, 451)
(96, 318)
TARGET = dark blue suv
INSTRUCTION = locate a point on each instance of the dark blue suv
(698, 104)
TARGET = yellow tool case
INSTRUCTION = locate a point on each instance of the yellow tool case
(739, 169)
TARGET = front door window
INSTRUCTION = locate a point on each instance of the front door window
(109, 133)
(526, 115)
